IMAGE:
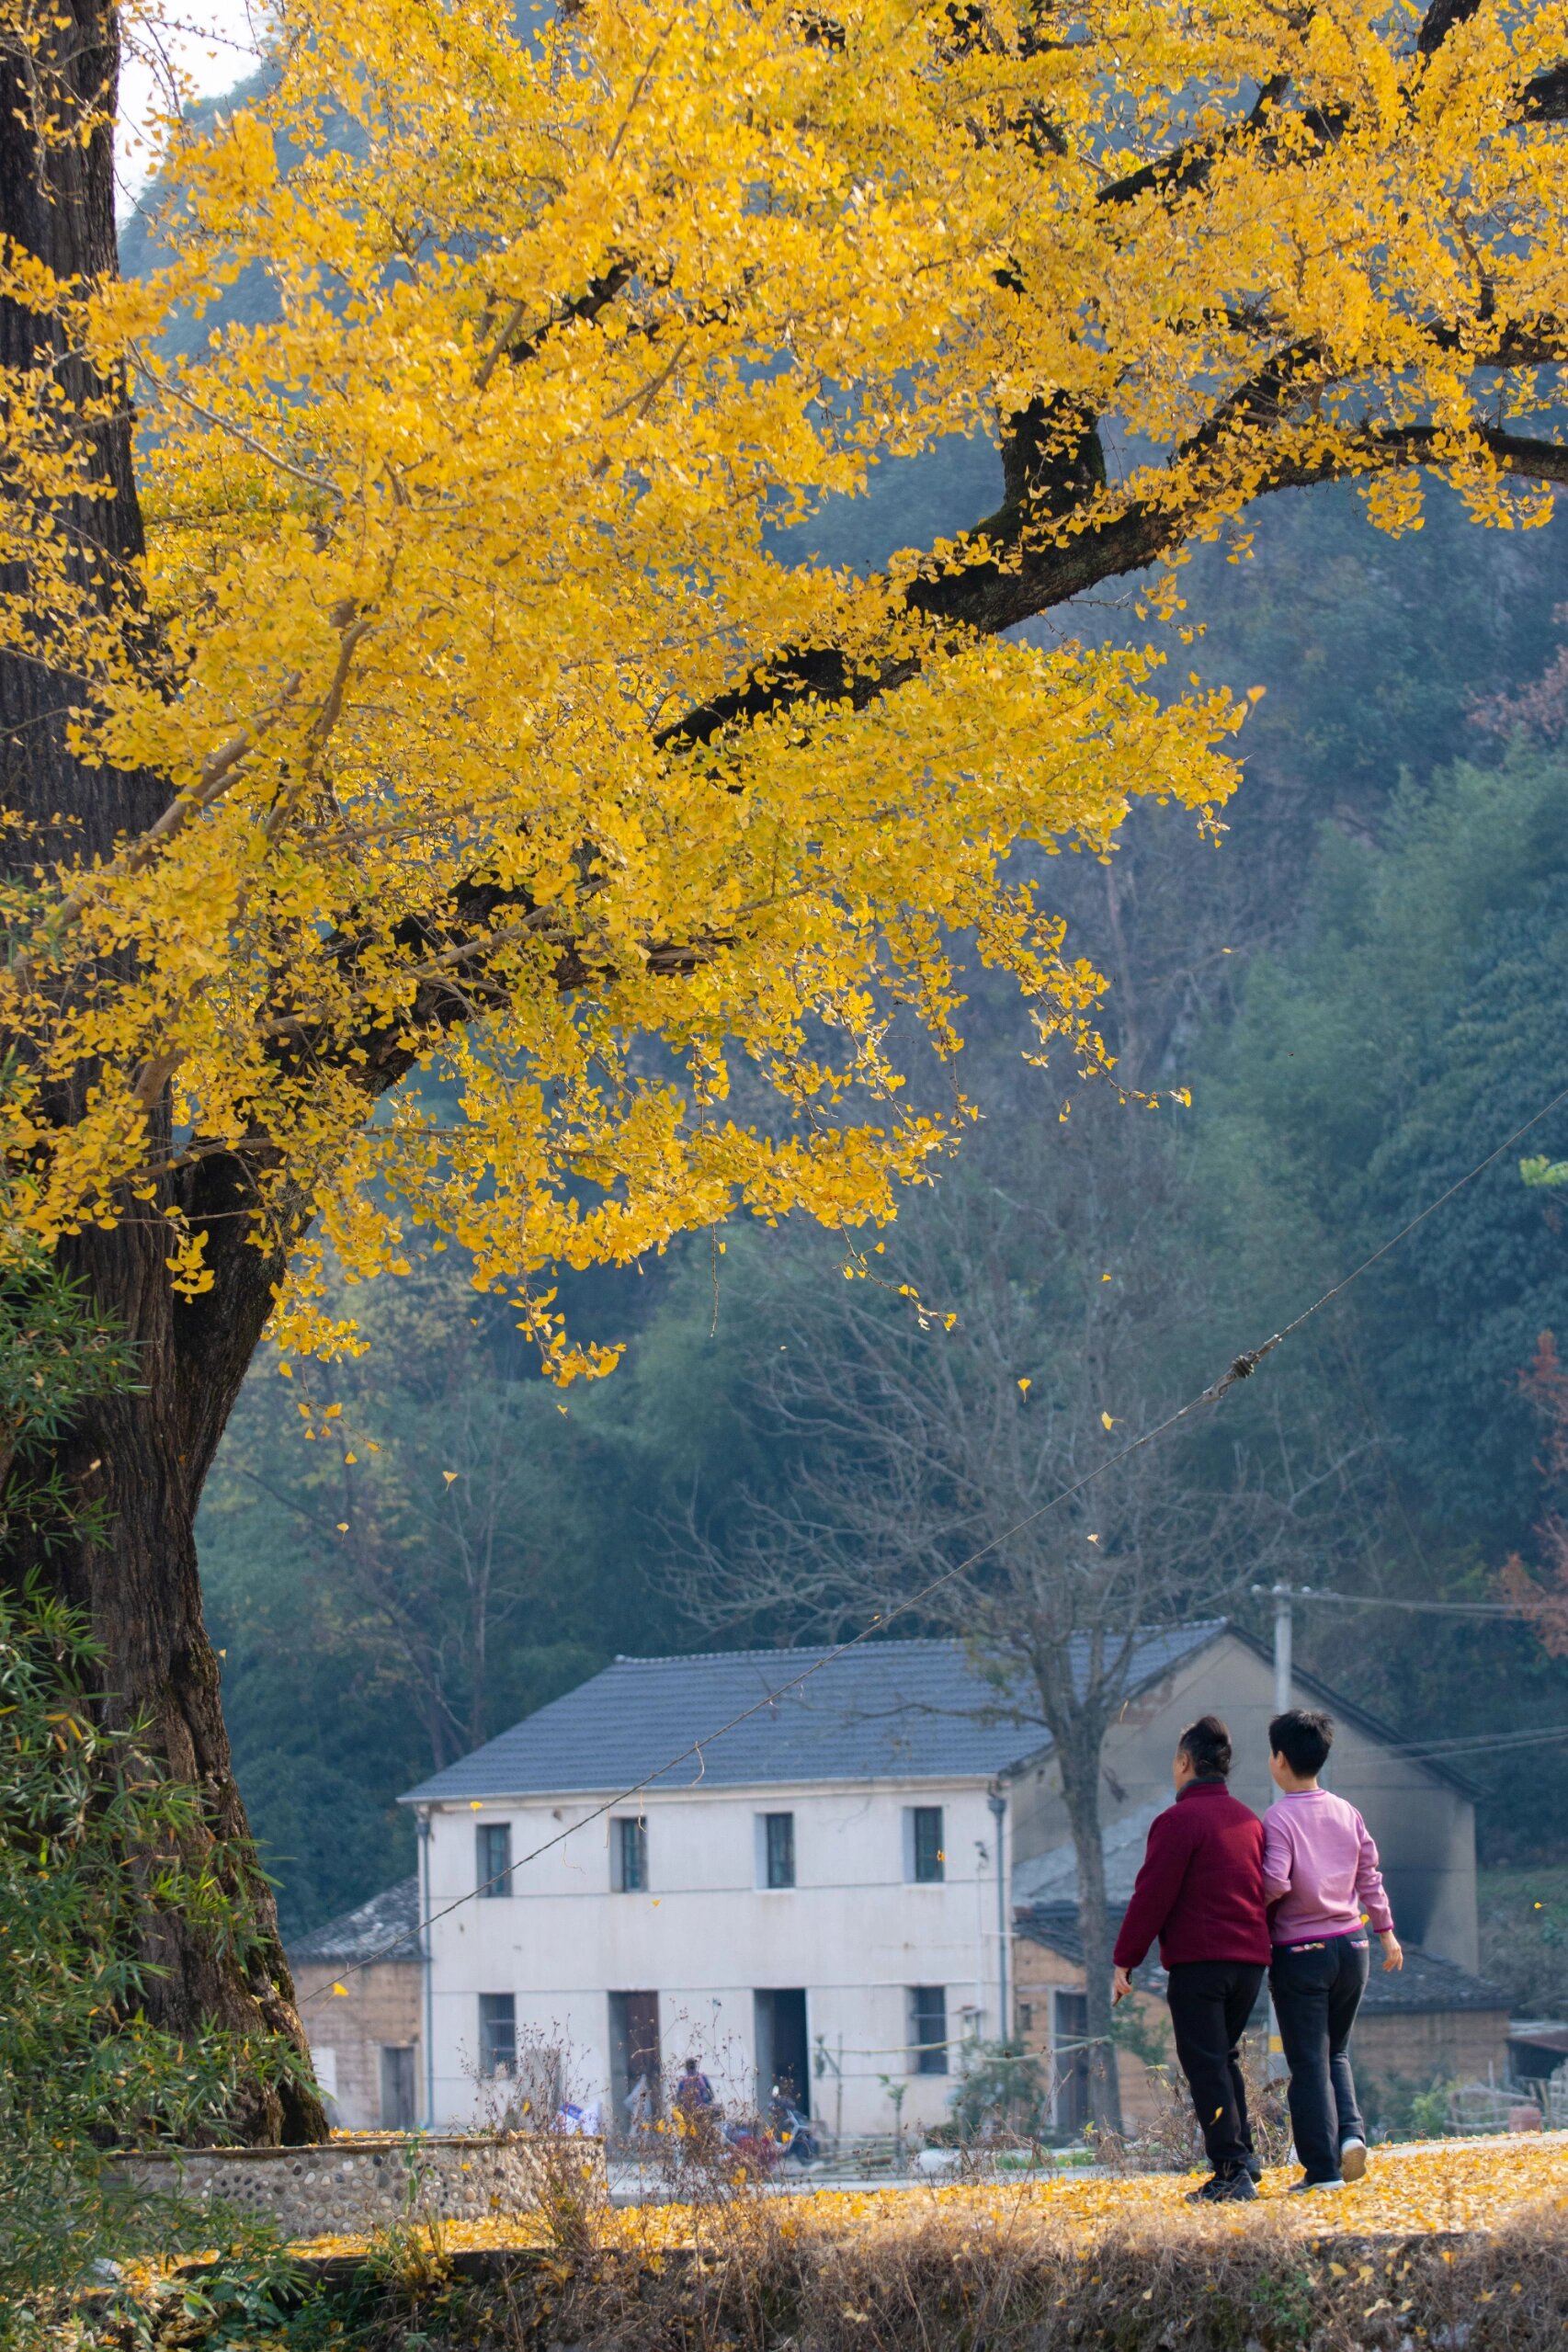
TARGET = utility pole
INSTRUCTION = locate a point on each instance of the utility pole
(1284, 1636)
(997, 1798)
(427, 1969)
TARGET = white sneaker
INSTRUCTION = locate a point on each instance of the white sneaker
(1353, 2159)
(1314, 2187)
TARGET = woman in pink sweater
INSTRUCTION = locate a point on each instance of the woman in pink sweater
(1324, 1888)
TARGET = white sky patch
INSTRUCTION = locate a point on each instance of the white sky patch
(172, 57)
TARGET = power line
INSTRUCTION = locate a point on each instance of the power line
(1241, 1368)
(1473, 1742)
(1436, 1608)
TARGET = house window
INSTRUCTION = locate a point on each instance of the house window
(924, 1859)
(928, 2029)
(778, 1849)
(493, 1858)
(497, 2033)
(629, 1855)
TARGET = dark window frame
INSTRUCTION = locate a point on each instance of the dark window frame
(493, 1858)
(778, 1849)
(497, 2034)
(929, 2048)
(628, 1853)
(928, 1855)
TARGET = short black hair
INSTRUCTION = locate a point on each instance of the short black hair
(1304, 1738)
(1207, 1744)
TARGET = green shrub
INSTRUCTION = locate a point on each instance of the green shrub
(82, 2071)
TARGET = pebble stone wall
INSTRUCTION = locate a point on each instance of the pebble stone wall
(351, 2185)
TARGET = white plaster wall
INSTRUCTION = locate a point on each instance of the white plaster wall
(852, 1932)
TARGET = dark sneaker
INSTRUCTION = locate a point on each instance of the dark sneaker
(1253, 2167)
(1353, 2159)
(1310, 2187)
(1223, 2189)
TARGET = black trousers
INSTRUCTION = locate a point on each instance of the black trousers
(1211, 2002)
(1317, 1990)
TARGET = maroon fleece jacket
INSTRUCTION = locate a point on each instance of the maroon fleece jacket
(1200, 1889)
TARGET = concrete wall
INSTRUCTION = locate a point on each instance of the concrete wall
(378, 2009)
(1424, 1827)
(852, 1933)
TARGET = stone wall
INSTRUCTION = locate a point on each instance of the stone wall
(351, 2185)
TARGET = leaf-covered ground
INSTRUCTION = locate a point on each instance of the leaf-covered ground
(1417, 2189)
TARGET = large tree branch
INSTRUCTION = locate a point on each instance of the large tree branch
(1024, 566)
(1025, 563)
(1546, 98)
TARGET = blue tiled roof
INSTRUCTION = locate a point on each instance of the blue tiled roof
(885, 1711)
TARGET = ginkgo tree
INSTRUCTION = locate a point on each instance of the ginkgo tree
(432, 784)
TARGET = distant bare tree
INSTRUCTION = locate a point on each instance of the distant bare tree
(924, 1441)
(423, 1500)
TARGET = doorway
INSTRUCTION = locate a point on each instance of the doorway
(783, 2052)
(397, 2088)
(634, 2056)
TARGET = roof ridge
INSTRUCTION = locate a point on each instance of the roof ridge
(791, 1650)
(866, 1641)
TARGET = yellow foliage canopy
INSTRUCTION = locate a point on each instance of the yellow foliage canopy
(501, 744)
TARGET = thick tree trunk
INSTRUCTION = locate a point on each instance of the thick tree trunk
(1079, 1794)
(143, 1455)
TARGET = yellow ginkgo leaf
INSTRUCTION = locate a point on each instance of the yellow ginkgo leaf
(1106, 1421)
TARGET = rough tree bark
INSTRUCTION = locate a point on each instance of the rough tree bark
(142, 1455)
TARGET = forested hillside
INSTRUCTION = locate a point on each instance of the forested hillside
(1360, 982)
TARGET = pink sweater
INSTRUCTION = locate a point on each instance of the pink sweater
(1320, 1870)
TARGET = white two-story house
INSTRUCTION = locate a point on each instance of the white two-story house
(814, 1899)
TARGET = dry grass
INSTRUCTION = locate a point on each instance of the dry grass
(1030, 2273)
(1449, 2248)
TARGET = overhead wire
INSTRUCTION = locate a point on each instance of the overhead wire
(1242, 1368)
(1522, 1609)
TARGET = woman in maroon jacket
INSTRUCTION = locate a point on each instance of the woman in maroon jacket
(1200, 1891)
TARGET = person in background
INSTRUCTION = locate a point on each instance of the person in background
(696, 2115)
(1321, 1876)
(1200, 1891)
(694, 2091)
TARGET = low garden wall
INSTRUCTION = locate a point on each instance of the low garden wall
(349, 2186)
